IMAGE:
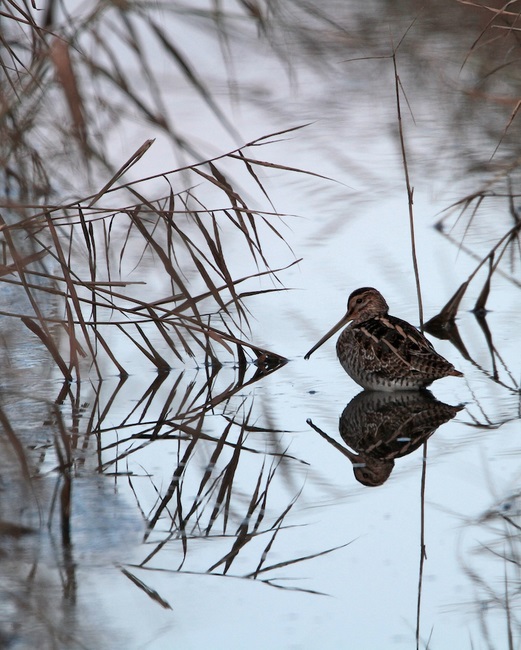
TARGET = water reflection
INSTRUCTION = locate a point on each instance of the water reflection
(379, 427)
(226, 479)
(204, 468)
(60, 508)
(490, 555)
(499, 370)
(55, 519)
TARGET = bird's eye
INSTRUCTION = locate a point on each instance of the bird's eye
(358, 301)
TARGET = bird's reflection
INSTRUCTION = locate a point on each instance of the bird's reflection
(379, 427)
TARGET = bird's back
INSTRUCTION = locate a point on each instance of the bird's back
(387, 353)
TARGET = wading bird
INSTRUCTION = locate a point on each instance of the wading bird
(382, 352)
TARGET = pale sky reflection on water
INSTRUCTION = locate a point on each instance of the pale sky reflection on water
(350, 236)
(351, 233)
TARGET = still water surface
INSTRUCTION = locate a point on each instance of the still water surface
(336, 564)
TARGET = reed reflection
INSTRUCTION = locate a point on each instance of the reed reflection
(379, 427)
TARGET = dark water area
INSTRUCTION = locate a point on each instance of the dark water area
(231, 497)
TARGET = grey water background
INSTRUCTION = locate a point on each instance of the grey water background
(350, 231)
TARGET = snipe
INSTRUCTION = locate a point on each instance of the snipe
(382, 352)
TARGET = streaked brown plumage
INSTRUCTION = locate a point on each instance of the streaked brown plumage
(380, 427)
(382, 352)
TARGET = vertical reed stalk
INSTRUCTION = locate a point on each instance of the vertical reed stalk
(423, 554)
(410, 189)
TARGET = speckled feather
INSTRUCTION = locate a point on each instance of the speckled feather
(382, 352)
(387, 350)
(380, 427)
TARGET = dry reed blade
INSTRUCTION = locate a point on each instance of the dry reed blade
(162, 329)
(220, 336)
(449, 311)
(480, 306)
(136, 343)
(239, 155)
(184, 305)
(496, 13)
(113, 72)
(59, 53)
(71, 288)
(133, 39)
(122, 372)
(234, 153)
(213, 242)
(160, 363)
(157, 227)
(50, 345)
(158, 249)
(134, 158)
(149, 591)
(507, 126)
(7, 269)
(297, 560)
(149, 351)
(255, 177)
(239, 208)
(90, 243)
(201, 267)
(74, 346)
(180, 333)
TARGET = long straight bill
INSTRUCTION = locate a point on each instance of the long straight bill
(341, 323)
